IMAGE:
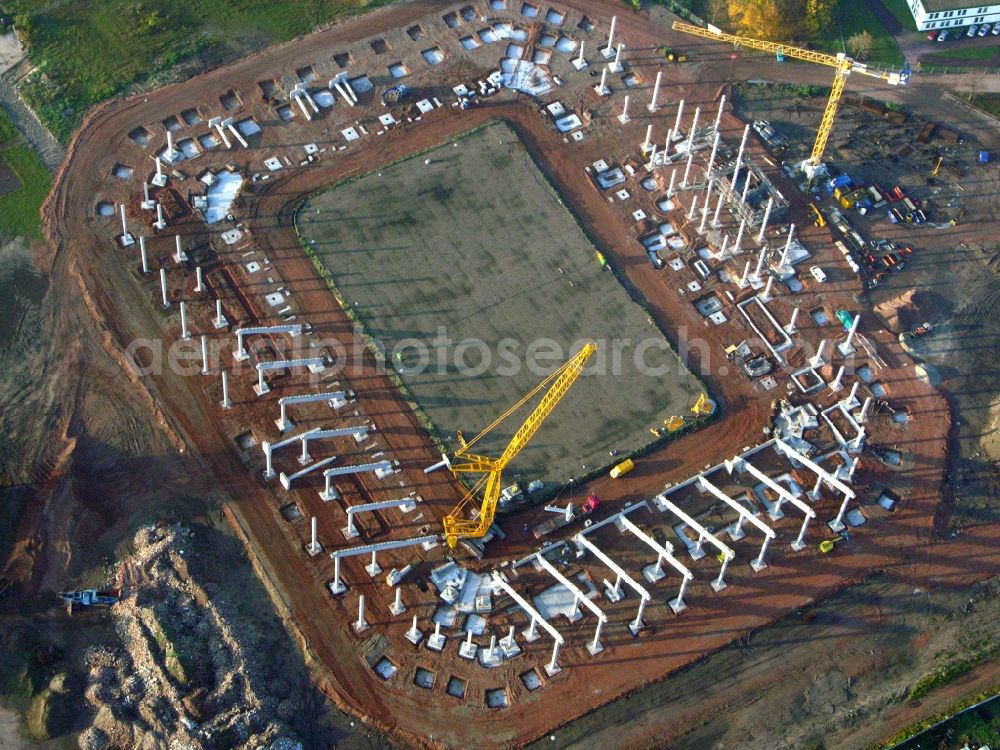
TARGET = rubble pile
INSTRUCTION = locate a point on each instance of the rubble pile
(191, 671)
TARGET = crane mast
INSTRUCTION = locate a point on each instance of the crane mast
(456, 524)
(841, 63)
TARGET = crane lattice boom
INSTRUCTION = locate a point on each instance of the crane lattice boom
(456, 525)
(843, 65)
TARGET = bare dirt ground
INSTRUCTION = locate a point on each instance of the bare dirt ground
(91, 269)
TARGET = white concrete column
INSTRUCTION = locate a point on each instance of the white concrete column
(737, 246)
(687, 171)
(718, 208)
(675, 133)
(595, 645)
(226, 403)
(852, 331)
(736, 174)
(530, 634)
(616, 66)
(361, 624)
(818, 359)
(760, 262)
(637, 623)
(766, 296)
(746, 275)
(198, 279)
(338, 587)
(719, 583)
(863, 417)
(718, 115)
(788, 245)
(725, 245)
(611, 36)
(835, 385)
(649, 135)
(579, 60)
(656, 91)
(746, 187)
(623, 117)
(604, 81)
(125, 241)
(759, 563)
(743, 143)
(220, 319)
(705, 210)
(204, 354)
(791, 327)
(711, 158)
(854, 392)
(160, 223)
(800, 540)
(184, 322)
(397, 607)
(159, 172)
(652, 158)
(694, 126)
(678, 605)
(552, 667)
(179, 255)
(670, 190)
(694, 204)
(142, 254)
(767, 216)
(163, 287)
(314, 544)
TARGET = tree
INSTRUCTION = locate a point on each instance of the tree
(761, 19)
(819, 16)
(861, 45)
(717, 13)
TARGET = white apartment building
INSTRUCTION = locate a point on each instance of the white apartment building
(946, 14)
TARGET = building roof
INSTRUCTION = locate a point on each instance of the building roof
(933, 6)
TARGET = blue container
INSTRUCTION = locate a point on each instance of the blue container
(984, 157)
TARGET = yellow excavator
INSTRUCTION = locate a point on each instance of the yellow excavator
(457, 524)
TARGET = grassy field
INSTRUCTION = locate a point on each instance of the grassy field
(88, 51)
(855, 16)
(479, 243)
(989, 103)
(19, 208)
(901, 12)
(980, 53)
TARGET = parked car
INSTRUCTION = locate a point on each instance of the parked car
(996, 28)
(818, 274)
(972, 31)
(942, 36)
(932, 35)
(984, 29)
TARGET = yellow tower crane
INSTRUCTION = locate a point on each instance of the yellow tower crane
(456, 523)
(843, 65)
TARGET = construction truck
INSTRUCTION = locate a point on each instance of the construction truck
(703, 406)
(818, 221)
(89, 598)
(672, 55)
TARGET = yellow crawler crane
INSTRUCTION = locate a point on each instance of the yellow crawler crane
(843, 64)
(456, 524)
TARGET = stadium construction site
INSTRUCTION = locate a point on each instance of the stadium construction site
(264, 244)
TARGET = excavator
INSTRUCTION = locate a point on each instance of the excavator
(458, 524)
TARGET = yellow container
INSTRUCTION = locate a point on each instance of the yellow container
(623, 468)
